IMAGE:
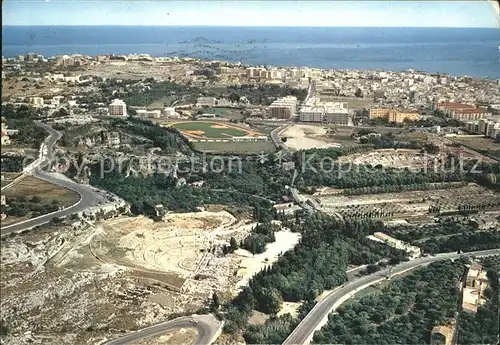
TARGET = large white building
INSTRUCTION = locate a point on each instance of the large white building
(331, 112)
(284, 108)
(311, 114)
(117, 108)
(206, 102)
(489, 128)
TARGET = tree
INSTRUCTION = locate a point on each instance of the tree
(215, 302)
(36, 199)
(358, 93)
(233, 244)
(372, 269)
(269, 300)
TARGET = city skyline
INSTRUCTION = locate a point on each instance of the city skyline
(466, 14)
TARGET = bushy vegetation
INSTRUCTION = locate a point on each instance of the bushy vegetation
(388, 141)
(262, 234)
(167, 139)
(403, 313)
(466, 241)
(317, 263)
(255, 187)
(449, 226)
(22, 118)
(156, 91)
(401, 188)
(318, 167)
(12, 163)
(20, 206)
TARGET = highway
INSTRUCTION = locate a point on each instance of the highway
(304, 332)
(89, 196)
(207, 326)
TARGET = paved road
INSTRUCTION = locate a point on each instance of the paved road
(89, 196)
(304, 331)
(275, 136)
(207, 327)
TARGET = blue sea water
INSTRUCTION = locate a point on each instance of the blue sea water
(473, 52)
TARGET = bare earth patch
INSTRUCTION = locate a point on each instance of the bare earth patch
(252, 264)
(199, 133)
(219, 126)
(303, 137)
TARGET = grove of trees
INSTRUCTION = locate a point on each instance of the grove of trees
(21, 118)
(404, 312)
(318, 262)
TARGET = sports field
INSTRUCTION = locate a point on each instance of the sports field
(212, 130)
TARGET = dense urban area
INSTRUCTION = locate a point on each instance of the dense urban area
(161, 200)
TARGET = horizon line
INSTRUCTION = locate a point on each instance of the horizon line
(254, 26)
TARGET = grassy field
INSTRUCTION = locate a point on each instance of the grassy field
(237, 147)
(478, 143)
(30, 186)
(8, 177)
(48, 192)
(212, 130)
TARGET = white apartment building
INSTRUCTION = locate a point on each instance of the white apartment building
(117, 108)
(331, 112)
(489, 128)
(295, 74)
(337, 113)
(206, 102)
(284, 108)
(311, 114)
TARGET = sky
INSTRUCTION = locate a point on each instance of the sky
(436, 13)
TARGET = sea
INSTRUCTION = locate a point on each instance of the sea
(454, 51)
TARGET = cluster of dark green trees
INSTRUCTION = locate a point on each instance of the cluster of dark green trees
(465, 241)
(261, 235)
(156, 91)
(166, 138)
(449, 226)
(19, 206)
(318, 262)
(254, 187)
(388, 141)
(401, 188)
(12, 163)
(404, 312)
(21, 118)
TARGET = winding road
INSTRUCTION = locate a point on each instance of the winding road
(89, 196)
(318, 316)
(208, 328)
